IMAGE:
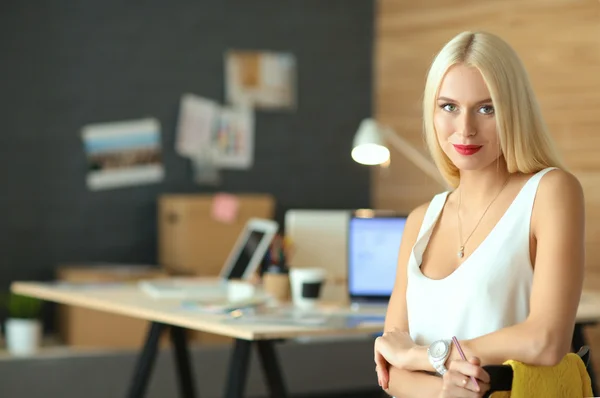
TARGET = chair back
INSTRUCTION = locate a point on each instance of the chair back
(501, 376)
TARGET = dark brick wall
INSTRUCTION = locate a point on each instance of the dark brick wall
(66, 64)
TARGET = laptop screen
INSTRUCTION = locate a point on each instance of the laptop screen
(373, 245)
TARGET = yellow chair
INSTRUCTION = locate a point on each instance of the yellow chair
(501, 376)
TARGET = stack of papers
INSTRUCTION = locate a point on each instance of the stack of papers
(223, 306)
(183, 288)
(296, 317)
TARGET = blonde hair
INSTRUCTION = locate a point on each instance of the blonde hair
(524, 139)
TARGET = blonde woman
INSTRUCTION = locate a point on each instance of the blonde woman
(498, 260)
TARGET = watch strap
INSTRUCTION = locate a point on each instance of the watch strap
(439, 364)
(440, 367)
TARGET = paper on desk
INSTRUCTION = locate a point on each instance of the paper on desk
(308, 318)
(281, 319)
(223, 306)
(92, 286)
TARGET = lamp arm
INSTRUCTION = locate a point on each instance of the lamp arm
(414, 155)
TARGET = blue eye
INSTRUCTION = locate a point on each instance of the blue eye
(487, 110)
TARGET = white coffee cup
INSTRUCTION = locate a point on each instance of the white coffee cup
(306, 285)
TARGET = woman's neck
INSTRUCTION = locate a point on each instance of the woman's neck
(478, 187)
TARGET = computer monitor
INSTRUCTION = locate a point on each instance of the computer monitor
(373, 245)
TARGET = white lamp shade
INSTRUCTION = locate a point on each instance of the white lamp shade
(368, 147)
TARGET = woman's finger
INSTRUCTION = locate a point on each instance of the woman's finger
(381, 364)
(454, 386)
(470, 369)
(457, 392)
(483, 387)
(460, 380)
(380, 360)
(383, 375)
(380, 379)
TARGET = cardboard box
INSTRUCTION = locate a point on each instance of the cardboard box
(81, 327)
(192, 241)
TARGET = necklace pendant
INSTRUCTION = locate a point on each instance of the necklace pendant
(461, 252)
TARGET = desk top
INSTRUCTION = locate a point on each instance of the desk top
(127, 299)
(589, 307)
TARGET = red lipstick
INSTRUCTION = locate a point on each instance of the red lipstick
(467, 149)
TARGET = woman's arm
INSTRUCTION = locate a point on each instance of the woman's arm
(396, 314)
(409, 384)
(405, 383)
(558, 226)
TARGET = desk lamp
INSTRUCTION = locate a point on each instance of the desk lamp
(369, 148)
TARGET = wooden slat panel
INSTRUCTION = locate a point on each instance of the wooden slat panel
(559, 42)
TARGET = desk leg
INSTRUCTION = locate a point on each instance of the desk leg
(182, 359)
(145, 362)
(238, 369)
(272, 369)
(579, 341)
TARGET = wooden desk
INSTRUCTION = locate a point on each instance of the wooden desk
(128, 300)
(589, 307)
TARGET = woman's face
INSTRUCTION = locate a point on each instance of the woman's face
(464, 119)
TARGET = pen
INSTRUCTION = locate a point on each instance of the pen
(462, 355)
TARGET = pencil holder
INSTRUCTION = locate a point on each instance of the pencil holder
(276, 282)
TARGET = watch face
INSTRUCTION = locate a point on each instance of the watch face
(438, 349)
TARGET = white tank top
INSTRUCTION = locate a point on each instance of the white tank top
(491, 288)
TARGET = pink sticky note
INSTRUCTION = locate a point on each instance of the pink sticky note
(225, 207)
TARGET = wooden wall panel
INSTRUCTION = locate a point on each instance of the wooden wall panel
(559, 42)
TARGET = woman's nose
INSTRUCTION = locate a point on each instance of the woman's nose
(466, 126)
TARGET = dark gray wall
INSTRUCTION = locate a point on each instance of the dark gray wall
(66, 64)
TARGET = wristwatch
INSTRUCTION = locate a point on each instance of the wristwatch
(438, 353)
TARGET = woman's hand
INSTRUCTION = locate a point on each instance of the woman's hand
(457, 381)
(392, 348)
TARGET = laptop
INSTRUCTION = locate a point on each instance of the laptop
(373, 244)
(319, 240)
(244, 259)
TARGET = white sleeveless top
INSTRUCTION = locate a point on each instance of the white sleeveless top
(489, 291)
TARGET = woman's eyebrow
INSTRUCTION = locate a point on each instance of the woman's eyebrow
(452, 100)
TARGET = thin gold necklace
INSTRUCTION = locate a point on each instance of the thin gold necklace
(461, 250)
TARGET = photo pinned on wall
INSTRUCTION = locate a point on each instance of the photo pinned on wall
(261, 79)
(124, 153)
(197, 119)
(233, 138)
(214, 137)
